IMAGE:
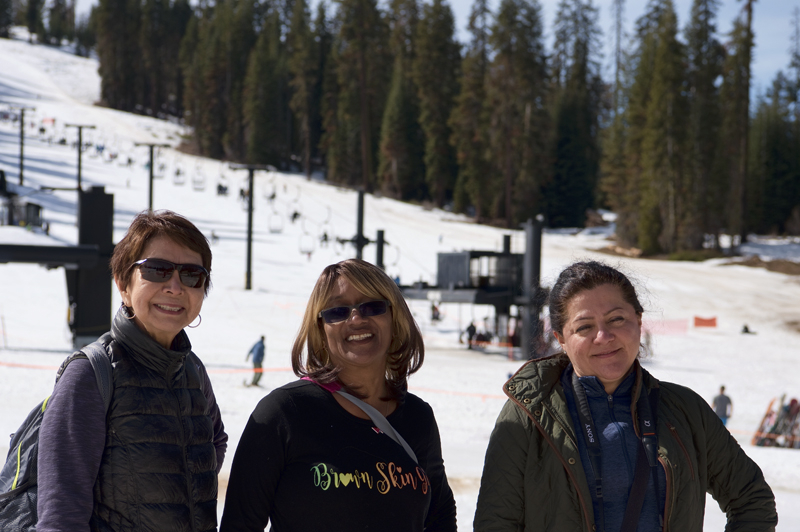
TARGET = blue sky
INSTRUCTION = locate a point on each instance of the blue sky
(771, 21)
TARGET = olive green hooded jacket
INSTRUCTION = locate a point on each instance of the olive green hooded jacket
(533, 479)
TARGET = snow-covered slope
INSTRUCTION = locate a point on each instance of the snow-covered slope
(463, 387)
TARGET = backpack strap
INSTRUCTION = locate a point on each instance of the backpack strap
(96, 353)
(98, 357)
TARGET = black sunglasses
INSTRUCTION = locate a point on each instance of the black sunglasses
(366, 310)
(160, 271)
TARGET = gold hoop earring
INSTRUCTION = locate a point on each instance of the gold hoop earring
(198, 323)
(126, 309)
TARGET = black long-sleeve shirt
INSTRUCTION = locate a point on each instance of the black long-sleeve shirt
(304, 463)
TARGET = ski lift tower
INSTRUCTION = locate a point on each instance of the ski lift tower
(80, 127)
(359, 240)
(151, 145)
(251, 168)
(500, 279)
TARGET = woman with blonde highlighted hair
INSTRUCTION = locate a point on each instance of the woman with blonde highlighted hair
(347, 438)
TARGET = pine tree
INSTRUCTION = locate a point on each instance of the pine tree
(436, 69)
(189, 61)
(241, 39)
(152, 36)
(579, 88)
(664, 195)
(362, 66)
(613, 164)
(323, 42)
(468, 120)
(629, 183)
(303, 65)
(705, 57)
(266, 98)
(774, 174)
(118, 26)
(518, 121)
(58, 22)
(33, 18)
(401, 167)
(735, 101)
(6, 17)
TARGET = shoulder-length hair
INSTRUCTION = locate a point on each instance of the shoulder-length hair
(310, 357)
(148, 225)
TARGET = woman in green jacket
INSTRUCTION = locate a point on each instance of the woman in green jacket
(574, 447)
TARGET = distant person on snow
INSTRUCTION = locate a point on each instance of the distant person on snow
(471, 330)
(257, 351)
(723, 406)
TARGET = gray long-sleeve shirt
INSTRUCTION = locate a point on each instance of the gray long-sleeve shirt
(71, 443)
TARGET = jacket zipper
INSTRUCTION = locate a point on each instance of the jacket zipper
(189, 491)
(561, 458)
(674, 432)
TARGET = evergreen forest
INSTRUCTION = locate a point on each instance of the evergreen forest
(502, 127)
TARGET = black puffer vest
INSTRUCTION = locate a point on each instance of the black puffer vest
(158, 471)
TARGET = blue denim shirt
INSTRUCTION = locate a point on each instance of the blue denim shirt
(619, 445)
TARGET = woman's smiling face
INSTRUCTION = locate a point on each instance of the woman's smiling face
(601, 335)
(162, 310)
(357, 342)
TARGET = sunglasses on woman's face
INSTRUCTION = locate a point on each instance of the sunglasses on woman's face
(160, 271)
(365, 310)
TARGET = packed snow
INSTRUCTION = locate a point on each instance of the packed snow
(463, 387)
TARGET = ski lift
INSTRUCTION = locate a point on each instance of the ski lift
(199, 182)
(275, 222)
(180, 175)
(160, 168)
(307, 244)
(326, 230)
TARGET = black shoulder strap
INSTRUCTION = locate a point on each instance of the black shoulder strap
(646, 461)
(98, 357)
(101, 364)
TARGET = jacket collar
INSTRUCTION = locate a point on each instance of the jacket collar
(140, 347)
(535, 381)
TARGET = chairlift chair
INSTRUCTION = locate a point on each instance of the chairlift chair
(275, 222)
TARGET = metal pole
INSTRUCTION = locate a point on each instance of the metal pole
(150, 196)
(379, 252)
(248, 275)
(251, 168)
(21, 144)
(80, 149)
(531, 327)
(151, 146)
(360, 226)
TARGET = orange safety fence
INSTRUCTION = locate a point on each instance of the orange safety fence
(705, 322)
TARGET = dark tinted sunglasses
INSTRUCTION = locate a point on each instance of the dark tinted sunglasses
(160, 271)
(366, 310)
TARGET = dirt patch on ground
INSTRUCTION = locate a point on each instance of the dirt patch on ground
(619, 251)
(793, 325)
(778, 265)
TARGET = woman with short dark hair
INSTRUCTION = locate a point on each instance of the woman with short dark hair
(590, 441)
(150, 462)
(346, 447)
